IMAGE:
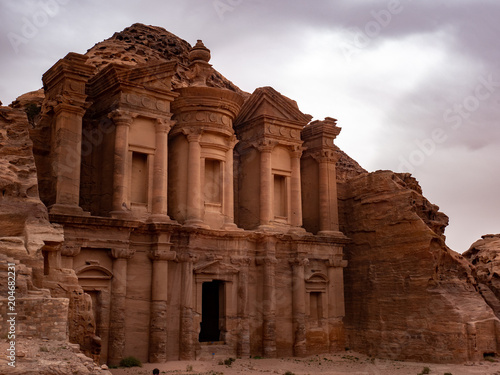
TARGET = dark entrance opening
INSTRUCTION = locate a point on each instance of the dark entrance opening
(211, 309)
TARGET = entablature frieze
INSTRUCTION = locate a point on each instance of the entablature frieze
(204, 117)
(268, 145)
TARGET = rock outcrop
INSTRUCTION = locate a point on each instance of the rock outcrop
(141, 44)
(43, 294)
(408, 296)
(484, 254)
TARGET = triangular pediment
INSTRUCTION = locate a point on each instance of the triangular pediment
(215, 267)
(150, 76)
(266, 101)
(156, 75)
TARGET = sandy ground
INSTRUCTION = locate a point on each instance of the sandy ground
(339, 364)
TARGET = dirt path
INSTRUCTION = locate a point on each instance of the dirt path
(339, 364)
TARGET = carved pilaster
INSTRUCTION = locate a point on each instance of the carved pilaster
(118, 309)
(122, 120)
(194, 199)
(243, 346)
(336, 309)
(160, 175)
(160, 254)
(268, 263)
(187, 349)
(299, 305)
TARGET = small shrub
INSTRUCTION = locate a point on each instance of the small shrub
(130, 362)
(426, 370)
(189, 368)
(289, 373)
(228, 362)
(448, 373)
(44, 349)
(32, 112)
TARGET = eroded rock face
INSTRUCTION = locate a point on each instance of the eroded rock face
(484, 254)
(408, 296)
(27, 240)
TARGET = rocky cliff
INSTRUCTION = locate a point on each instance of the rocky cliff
(484, 254)
(44, 292)
(408, 296)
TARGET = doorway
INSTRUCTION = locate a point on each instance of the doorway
(212, 311)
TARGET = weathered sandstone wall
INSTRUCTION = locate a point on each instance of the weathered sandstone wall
(43, 295)
(484, 254)
(408, 296)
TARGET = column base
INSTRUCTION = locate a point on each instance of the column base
(267, 228)
(67, 209)
(330, 233)
(297, 231)
(231, 227)
(161, 218)
(122, 215)
(196, 223)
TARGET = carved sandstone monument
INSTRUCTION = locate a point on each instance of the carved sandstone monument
(195, 218)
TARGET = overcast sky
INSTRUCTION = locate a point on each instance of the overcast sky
(415, 85)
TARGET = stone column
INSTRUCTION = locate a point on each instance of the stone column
(160, 255)
(228, 188)
(67, 135)
(336, 309)
(65, 85)
(299, 306)
(160, 173)
(243, 346)
(328, 207)
(194, 201)
(266, 184)
(296, 195)
(268, 261)
(122, 121)
(117, 313)
(187, 350)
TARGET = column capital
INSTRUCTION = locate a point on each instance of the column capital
(122, 252)
(193, 134)
(336, 262)
(231, 142)
(64, 104)
(266, 260)
(265, 145)
(299, 262)
(241, 261)
(188, 257)
(161, 254)
(71, 250)
(296, 151)
(163, 125)
(325, 156)
(122, 117)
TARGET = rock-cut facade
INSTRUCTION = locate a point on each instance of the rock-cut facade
(198, 220)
